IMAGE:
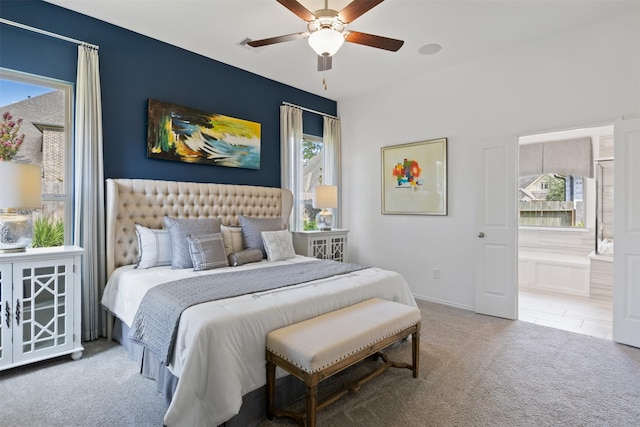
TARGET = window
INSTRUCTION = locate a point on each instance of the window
(315, 166)
(556, 176)
(312, 167)
(552, 200)
(44, 105)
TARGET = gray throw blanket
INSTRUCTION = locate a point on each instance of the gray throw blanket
(155, 324)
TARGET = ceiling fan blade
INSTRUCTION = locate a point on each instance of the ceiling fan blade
(279, 39)
(356, 9)
(297, 8)
(380, 42)
(324, 63)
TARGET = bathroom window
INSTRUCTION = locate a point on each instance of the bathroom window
(552, 200)
(552, 182)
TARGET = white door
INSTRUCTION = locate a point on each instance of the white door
(496, 228)
(626, 261)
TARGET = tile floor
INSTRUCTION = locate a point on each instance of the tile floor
(571, 313)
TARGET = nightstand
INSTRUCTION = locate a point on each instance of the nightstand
(40, 300)
(321, 244)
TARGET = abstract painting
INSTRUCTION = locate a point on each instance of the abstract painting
(414, 178)
(188, 135)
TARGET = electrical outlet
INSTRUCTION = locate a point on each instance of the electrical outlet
(436, 273)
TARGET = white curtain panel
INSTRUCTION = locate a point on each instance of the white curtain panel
(290, 146)
(332, 140)
(89, 191)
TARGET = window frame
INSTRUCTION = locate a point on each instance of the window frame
(69, 161)
(330, 163)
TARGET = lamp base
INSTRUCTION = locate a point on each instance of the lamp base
(324, 220)
(16, 231)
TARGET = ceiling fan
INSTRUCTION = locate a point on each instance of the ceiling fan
(327, 30)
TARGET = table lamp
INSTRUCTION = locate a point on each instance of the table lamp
(20, 189)
(325, 197)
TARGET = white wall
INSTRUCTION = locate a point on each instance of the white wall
(584, 77)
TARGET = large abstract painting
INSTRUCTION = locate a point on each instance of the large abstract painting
(188, 135)
(414, 178)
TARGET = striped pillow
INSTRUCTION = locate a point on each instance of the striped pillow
(154, 247)
(207, 251)
(278, 245)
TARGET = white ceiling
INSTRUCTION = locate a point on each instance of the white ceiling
(466, 29)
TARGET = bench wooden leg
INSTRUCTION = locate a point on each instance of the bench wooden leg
(271, 389)
(415, 352)
(312, 403)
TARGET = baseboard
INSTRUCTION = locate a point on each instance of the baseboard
(443, 302)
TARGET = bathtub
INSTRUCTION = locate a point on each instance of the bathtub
(568, 274)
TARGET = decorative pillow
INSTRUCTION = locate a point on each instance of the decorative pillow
(252, 229)
(179, 229)
(278, 245)
(233, 239)
(207, 251)
(154, 247)
(245, 257)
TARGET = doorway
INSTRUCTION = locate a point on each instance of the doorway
(565, 230)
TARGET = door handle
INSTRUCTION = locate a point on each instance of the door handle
(7, 313)
(17, 312)
(481, 234)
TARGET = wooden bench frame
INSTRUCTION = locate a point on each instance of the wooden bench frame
(311, 380)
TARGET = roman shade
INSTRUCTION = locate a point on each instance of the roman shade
(566, 157)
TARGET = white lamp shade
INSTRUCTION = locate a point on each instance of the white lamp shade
(326, 41)
(325, 197)
(21, 186)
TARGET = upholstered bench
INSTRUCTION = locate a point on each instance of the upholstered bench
(320, 347)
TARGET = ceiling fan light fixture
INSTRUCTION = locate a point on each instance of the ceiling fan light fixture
(326, 41)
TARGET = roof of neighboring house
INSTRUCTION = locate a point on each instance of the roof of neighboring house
(526, 193)
(47, 108)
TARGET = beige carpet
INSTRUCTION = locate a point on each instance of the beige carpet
(475, 371)
(483, 371)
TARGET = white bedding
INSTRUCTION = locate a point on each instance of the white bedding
(219, 353)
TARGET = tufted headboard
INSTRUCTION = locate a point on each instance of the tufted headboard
(147, 202)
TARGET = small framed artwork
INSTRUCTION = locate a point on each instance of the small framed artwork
(188, 135)
(414, 178)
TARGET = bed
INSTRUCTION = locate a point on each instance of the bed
(216, 372)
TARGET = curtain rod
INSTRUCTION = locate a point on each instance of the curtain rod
(309, 110)
(47, 33)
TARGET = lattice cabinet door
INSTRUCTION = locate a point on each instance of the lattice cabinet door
(338, 247)
(43, 308)
(6, 298)
(319, 248)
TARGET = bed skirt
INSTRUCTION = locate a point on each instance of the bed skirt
(253, 409)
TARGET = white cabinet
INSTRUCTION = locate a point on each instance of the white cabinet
(321, 244)
(40, 305)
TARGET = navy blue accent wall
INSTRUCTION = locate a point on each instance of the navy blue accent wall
(134, 68)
